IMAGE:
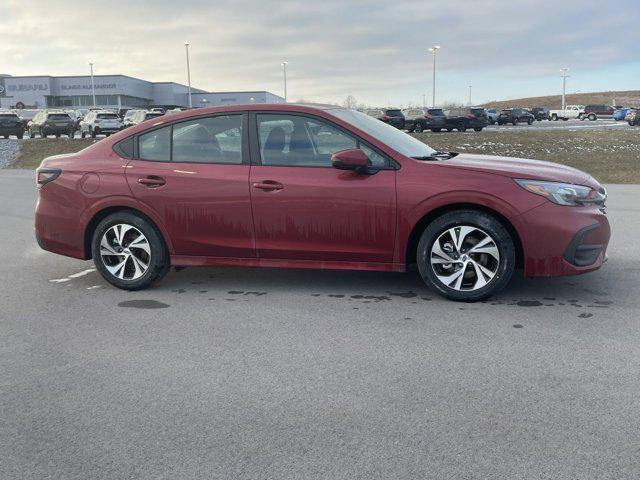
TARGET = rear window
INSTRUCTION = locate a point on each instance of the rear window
(477, 111)
(394, 113)
(149, 115)
(435, 111)
(375, 113)
(59, 116)
(108, 115)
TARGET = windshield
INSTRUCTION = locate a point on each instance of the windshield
(401, 142)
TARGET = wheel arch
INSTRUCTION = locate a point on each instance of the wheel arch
(419, 227)
(105, 212)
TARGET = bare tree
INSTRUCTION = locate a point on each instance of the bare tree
(350, 102)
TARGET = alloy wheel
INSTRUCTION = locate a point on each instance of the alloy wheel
(465, 258)
(125, 252)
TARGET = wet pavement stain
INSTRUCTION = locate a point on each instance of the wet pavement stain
(403, 294)
(179, 290)
(202, 291)
(585, 315)
(143, 304)
(426, 299)
(548, 298)
(517, 325)
(375, 298)
(603, 302)
(529, 303)
(335, 296)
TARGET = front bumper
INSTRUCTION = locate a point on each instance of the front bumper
(562, 240)
(55, 129)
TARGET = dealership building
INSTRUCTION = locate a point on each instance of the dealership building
(114, 91)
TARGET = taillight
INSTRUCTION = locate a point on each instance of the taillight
(385, 117)
(426, 115)
(46, 175)
(469, 115)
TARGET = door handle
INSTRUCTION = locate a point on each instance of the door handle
(268, 185)
(152, 181)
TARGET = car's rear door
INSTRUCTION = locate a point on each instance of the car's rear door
(304, 209)
(194, 175)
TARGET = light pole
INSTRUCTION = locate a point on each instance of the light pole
(564, 73)
(433, 50)
(470, 94)
(284, 71)
(93, 87)
(186, 46)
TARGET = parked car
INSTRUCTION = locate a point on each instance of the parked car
(466, 117)
(515, 116)
(569, 112)
(100, 122)
(122, 112)
(541, 113)
(391, 116)
(492, 115)
(142, 115)
(359, 194)
(127, 120)
(633, 117)
(10, 124)
(52, 122)
(593, 112)
(420, 119)
(620, 114)
(26, 116)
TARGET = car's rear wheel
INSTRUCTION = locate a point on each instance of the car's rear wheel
(462, 127)
(530, 121)
(515, 122)
(449, 129)
(129, 252)
(418, 128)
(591, 117)
(554, 117)
(477, 129)
(466, 255)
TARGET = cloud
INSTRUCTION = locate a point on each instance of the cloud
(373, 49)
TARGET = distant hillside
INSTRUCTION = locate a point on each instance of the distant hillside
(624, 98)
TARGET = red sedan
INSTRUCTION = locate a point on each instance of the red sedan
(306, 186)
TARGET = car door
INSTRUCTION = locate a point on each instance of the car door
(304, 209)
(194, 175)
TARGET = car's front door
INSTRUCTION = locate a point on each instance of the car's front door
(303, 208)
(194, 175)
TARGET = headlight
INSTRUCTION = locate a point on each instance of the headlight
(562, 193)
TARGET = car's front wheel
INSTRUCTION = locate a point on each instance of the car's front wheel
(418, 128)
(129, 252)
(466, 255)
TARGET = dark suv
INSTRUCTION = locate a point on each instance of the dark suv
(392, 116)
(420, 119)
(10, 124)
(464, 117)
(515, 116)
(593, 112)
(52, 122)
(541, 113)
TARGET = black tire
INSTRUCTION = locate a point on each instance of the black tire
(42, 134)
(436, 130)
(503, 269)
(515, 122)
(554, 117)
(159, 262)
(477, 129)
(83, 134)
(57, 135)
(565, 119)
(72, 133)
(529, 121)
(592, 117)
(21, 136)
(418, 127)
(93, 133)
(6, 136)
(491, 121)
(449, 129)
(462, 127)
(31, 134)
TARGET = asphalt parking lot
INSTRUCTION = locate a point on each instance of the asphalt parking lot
(247, 373)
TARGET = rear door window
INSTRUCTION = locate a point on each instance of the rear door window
(209, 140)
(154, 145)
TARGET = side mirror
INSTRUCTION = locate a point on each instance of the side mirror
(351, 159)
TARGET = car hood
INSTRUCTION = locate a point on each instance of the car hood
(517, 168)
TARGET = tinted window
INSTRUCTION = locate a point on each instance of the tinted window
(299, 141)
(109, 115)
(435, 111)
(149, 115)
(478, 111)
(155, 145)
(125, 147)
(59, 116)
(208, 140)
(394, 113)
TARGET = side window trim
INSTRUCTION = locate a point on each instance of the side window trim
(244, 140)
(254, 142)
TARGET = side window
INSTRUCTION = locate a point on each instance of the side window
(377, 160)
(155, 145)
(299, 141)
(209, 140)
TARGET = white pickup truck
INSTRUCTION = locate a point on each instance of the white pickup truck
(571, 111)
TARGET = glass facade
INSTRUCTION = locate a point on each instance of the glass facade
(101, 101)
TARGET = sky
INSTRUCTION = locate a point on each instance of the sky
(375, 50)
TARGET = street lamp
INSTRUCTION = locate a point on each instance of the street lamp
(186, 46)
(284, 71)
(434, 50)
(93, 87)
(564, 73)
